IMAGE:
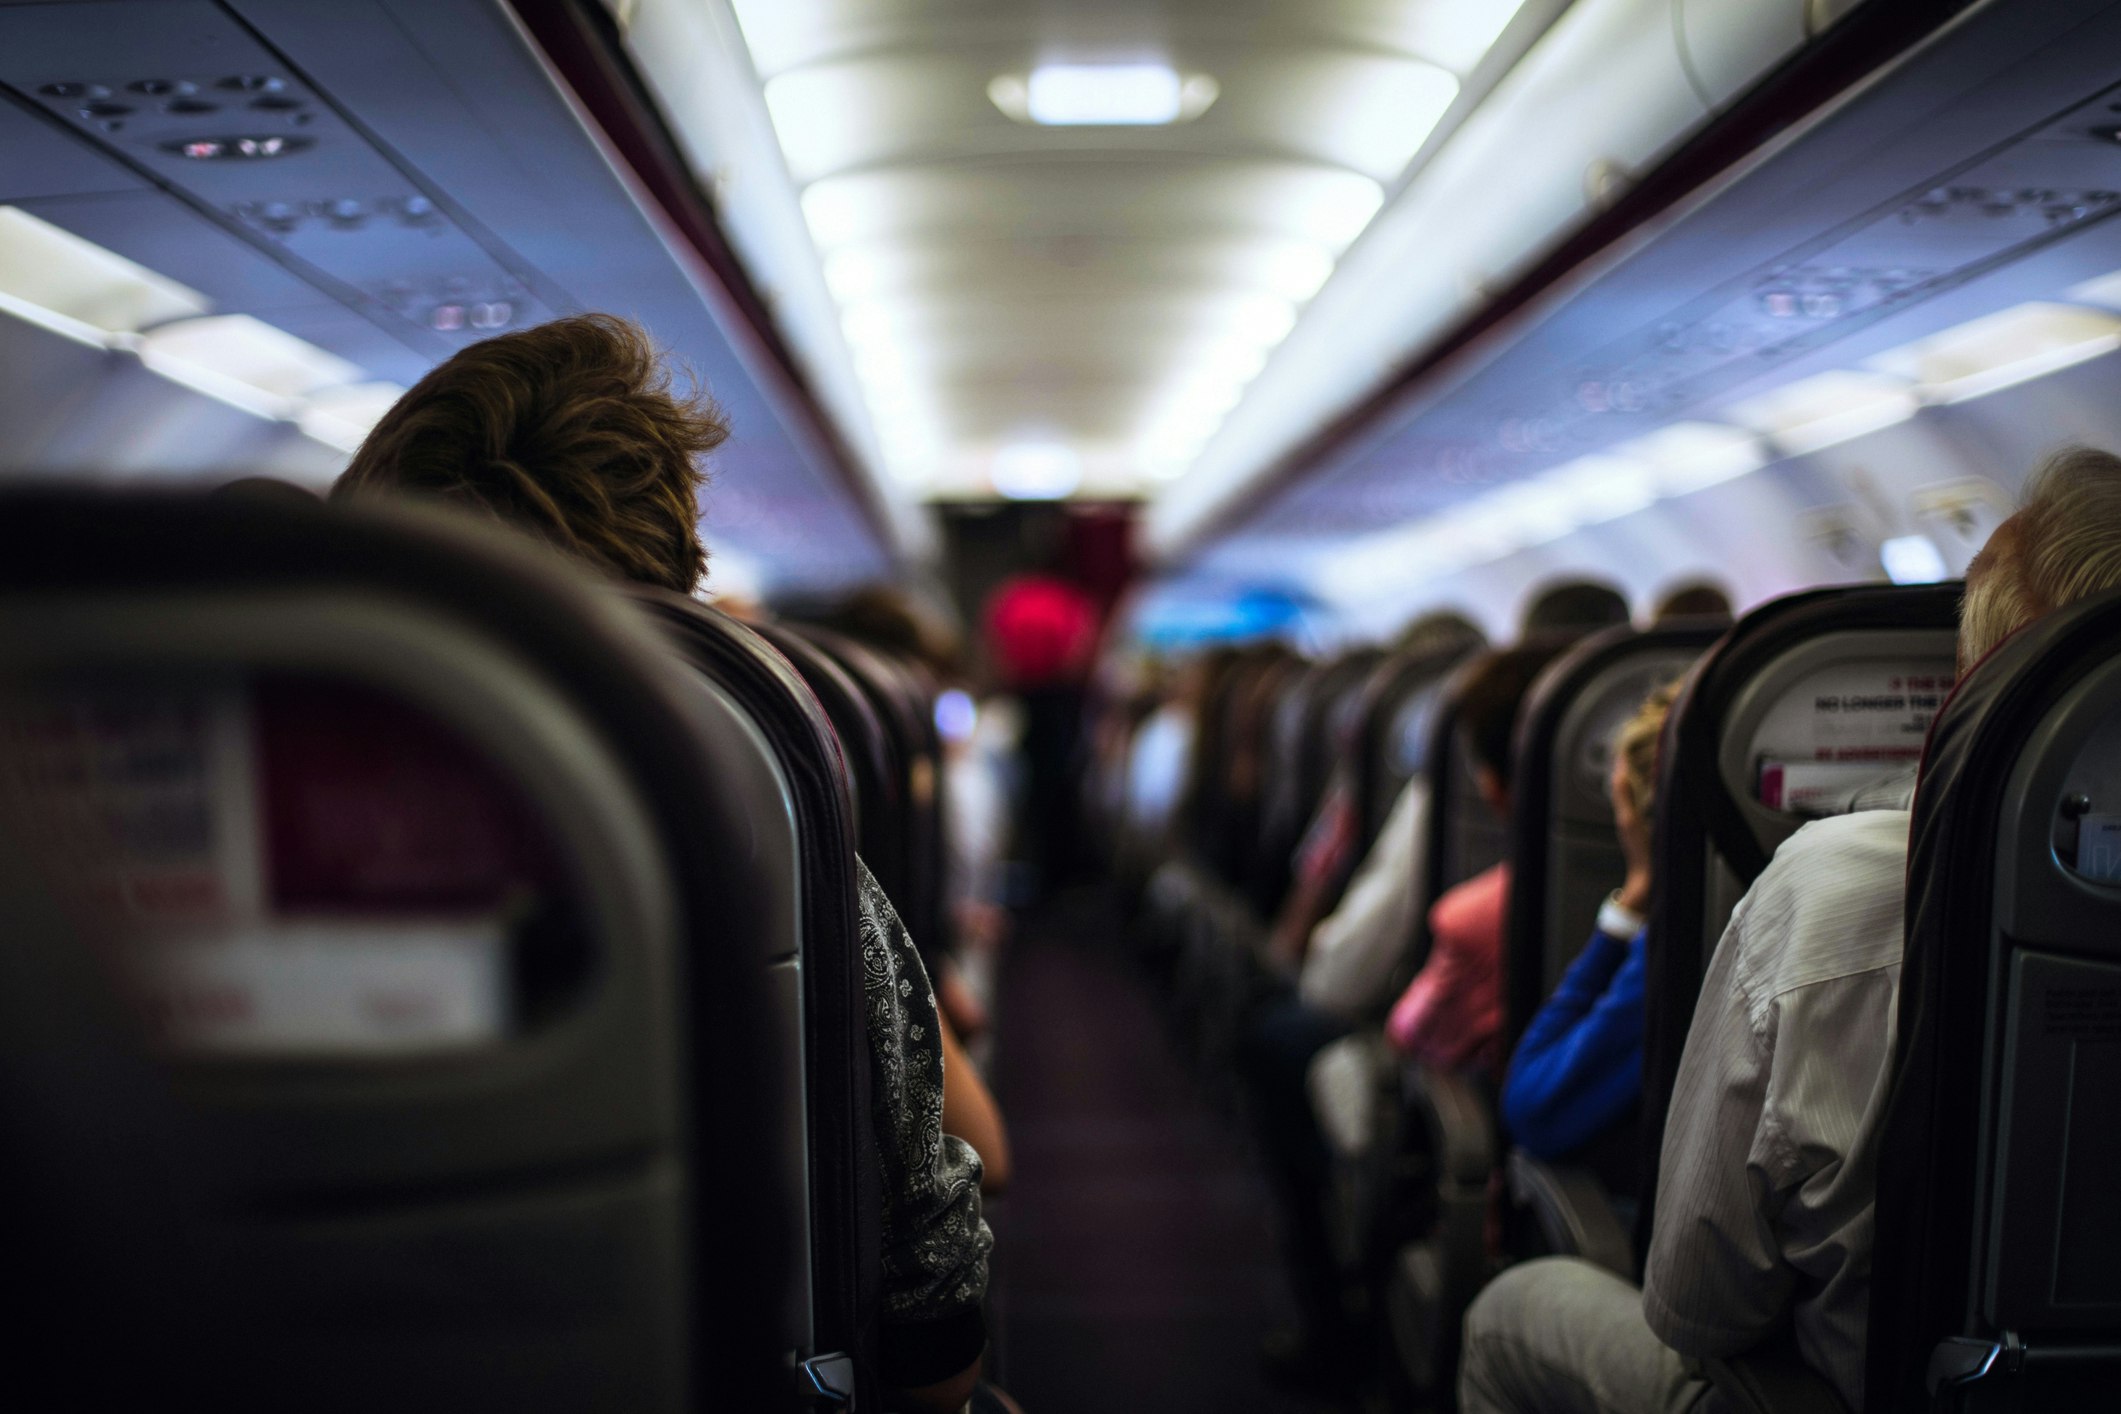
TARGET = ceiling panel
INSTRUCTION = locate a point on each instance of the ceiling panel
(1106, 287)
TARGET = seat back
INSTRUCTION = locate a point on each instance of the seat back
(1460, 836)
(819, 967)
(446, 901)
(912, 863)
(1393, 732)
(1804, 699)
(1565, 855)
(1313, 734)
(863, 746)
(1997, 1278)
(1245, 765)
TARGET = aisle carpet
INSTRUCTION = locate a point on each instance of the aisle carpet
(1135, 1267)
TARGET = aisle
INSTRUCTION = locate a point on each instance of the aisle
(1135, 1269)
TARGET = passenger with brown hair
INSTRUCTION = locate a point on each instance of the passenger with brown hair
(576, 433)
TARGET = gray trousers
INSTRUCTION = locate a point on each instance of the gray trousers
(1561, 1336)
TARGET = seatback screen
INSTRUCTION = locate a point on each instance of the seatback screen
(294, 867)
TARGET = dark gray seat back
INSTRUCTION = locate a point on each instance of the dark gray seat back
(1565, 855)
(1997, 1277)
(449, 897)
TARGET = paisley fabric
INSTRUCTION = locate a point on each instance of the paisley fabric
(935, 1241)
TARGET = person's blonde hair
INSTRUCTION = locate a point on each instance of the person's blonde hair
(2063, 544)
(573, 431)
(1636, 747)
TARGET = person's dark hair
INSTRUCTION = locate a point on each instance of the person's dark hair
(885, 617)
(1576, 606)
(1440, 632)
(1495, 687)
(572, 431)
(1695, 599)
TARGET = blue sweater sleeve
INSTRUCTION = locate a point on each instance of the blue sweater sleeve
(1579, 1065)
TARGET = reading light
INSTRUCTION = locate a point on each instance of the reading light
(254, 148)
(1098, 95)
(1036, 471)
(1913, 559)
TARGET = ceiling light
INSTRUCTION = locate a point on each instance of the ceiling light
(1036, 471)
(1456, 33)
(2001, 349)
(74, 287)
(819, 116)
(1384, 112)
(1103, 95)
(1340, 206)
(343, 417)
(776, 32)
(1913, 559)
(1518, 516)
(243, 362)
(1819, 411)
(1692, 456)
(854, 275)
(1295, 270)
(1596, 489)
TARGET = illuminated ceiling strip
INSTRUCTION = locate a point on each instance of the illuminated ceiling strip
(72, 287)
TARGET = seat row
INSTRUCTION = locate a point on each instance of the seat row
(1988, 1293)
(478, 1016)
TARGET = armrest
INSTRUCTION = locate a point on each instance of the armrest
(1460, 1121)
(1573, 1210)
(1772, 1380)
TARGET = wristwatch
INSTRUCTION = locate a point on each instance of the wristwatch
(1617, 921)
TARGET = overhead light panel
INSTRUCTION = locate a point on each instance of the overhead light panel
(1597, 489)
(74, 287)
(1103, 95)
(1693, 456)
(243, 362)
(1999, 350)
(1817, 412)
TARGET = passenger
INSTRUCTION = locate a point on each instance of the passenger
(574, 433)
(1355, 953)
(1577, 1070)
(1355, 948)
(1696, 599)
(883, 617)
(1575, 607)
(1767, 1179)
(1451, 1015)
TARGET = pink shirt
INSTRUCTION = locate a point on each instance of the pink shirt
(1451, 1014)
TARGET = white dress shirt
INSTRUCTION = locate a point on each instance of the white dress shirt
(1347, 970)
(1768, 1177)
